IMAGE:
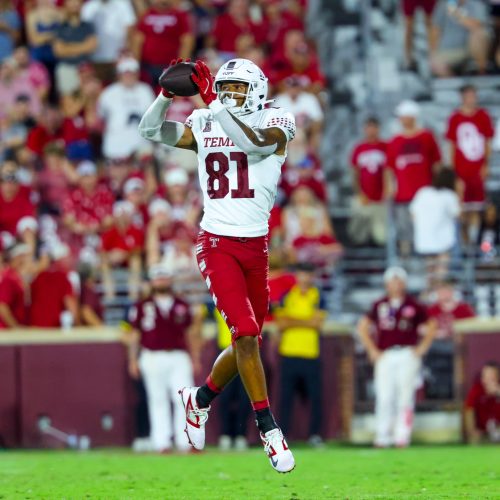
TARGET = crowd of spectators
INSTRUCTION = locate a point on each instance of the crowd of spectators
(83, 195)
(435, 207)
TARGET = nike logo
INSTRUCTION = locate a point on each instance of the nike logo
(274, 462)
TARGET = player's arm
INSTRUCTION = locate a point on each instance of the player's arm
(430, 329)
(154, 127)
(263, 142)
(365, 326)
(251, 141)
(7, 316)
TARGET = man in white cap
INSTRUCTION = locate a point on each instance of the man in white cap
(88, 208)
(12, 288)
(165, 345)
(398, 321)
(412, 157)
(121, 106)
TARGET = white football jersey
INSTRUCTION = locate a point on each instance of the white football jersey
(238, 189)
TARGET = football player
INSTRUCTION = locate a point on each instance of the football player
(241, 146)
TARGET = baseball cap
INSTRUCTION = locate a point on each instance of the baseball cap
(123, 208)
(395, 272)
(407, 108)
(133, 184)
(176, 176)
(59, 251)
(86, 168)
(160, 270)
(159, 206)
(127, 64)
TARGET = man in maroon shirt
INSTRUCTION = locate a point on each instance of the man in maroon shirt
(163, 33)
(482, 406)
(397, 321)
(470, 131)
(447, 309)
(46, 308)
(412, 158)
(164, 335)
(12, 288)
(369, 212)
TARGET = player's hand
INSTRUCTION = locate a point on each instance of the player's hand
(205, 82)
(173, 62)
(133, 369)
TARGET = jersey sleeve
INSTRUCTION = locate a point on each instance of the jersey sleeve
(279, 118)
(451, 132)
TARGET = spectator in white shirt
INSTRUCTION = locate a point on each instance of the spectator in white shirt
(112, 20)
(435, 210)
(121, 106)
(305, 107)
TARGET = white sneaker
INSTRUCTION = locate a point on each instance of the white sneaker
(277, 450)
(225, 442)
(195, 417)
(240, 443)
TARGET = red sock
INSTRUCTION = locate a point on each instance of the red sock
(212, 386)
(260, 405)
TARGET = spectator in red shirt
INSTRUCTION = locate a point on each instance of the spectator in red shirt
(17, 211)
(233, 24)
(184, 201)
(278, 20)
(368, 222)
(448, 308)
(12, 288)
(163, 33)
(397, 321)
(46, 308)
(470, 130)
(122, 245)
(53, 181)
(300, 62)
(49, 129)
(412, 158)
(482, 406)
(302, 168)
(134, 191)
(88, 209)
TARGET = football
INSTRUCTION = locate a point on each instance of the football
(177, 79)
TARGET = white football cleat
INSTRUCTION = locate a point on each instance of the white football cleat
(277, 450)
(195, 417)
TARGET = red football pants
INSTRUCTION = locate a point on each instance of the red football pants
(236, 272)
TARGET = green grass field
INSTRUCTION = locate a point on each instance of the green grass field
(334, 472)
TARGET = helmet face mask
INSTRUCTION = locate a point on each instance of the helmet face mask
(242, 71)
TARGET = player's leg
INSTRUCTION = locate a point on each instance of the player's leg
(153, 370)
(255, 261)
(405, 376)
(384, 400)
(181, 375)
(226, 283)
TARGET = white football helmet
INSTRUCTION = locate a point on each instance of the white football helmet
(242, 70)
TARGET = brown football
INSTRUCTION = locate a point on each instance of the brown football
(177, 79)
